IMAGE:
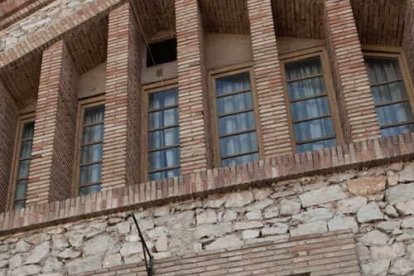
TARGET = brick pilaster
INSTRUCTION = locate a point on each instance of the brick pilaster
(350, 75)
(122, 101)
(50, 174)
(269, 83)
(192, 85)
(408, 40)
(8, 120)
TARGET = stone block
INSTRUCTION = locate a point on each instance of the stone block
(322, 195)
(364, 186)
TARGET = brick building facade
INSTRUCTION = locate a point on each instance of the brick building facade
(269, 137)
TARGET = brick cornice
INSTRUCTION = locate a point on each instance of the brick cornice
(359, 154)
(45, 37)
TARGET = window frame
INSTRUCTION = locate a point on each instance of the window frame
(215, 137)
(392, 53)
(148, 89)
(335, 115)
(21, 121)
(83, 104)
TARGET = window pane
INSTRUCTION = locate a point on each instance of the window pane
(394, 113)
(19, 204)
(391, 131)
(165, 118)
(23, 171)
(306, 88)
(164, 174)
(93, 134)
(91, 153)
(308, 109)
(164, 138)
(382, 70)
(28, 130)
(21, 188)
(315, 129)
(240, 160)
(231, 84)
(316, 146)
(236, 123)
(164, 158)
(389, 93)
(90, 189)
(90, 174)
(163, 99)
(94, 115)
(303, 69)
(26, 149)
(238, 144)
(234, 103)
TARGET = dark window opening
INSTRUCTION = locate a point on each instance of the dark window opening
(162, 52)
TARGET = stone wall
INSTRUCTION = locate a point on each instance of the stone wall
(377, 204)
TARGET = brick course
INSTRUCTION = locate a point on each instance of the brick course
(50, 174)
(274, 125)
(8, 122)
(350, 75)
(122, 101)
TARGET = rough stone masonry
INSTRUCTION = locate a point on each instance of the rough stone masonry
(376, 204)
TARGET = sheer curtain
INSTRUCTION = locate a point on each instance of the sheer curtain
(393, 109)
(309, 105)
(91, 150)
(236, 120)
(23, 165)
(163, 134)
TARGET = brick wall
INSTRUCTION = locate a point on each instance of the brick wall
(122, 101)
(192, 86)
(51, 169)
(273, 112)
(350, 75)
(408, 39)
(8, 122)
(333, 254)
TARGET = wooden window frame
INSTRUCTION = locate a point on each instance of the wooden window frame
(297, 56)
(21, 121)
(226, 72)
(83, 104)
(144, 149)
(398, 54)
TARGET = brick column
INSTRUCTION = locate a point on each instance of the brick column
(271, 94)
(192, 85)
(350, 75)
(8, 120)
(408, 40)
(51, 169)
(122, 104)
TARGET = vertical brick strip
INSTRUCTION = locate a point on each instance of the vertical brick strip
(122, 101)
(408, 40)
(192, 85)
(51, 169)
(350, 75)
(267, 72)
(8, 120)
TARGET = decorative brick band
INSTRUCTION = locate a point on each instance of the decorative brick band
(358, 154)
(47, 36)
(325, 254)
(13, 10)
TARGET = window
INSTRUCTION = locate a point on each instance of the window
(163, 134)
(309, 104)
(391, 101)
(90, 149)
(161, 52)
(235, 119)
(22, 157)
